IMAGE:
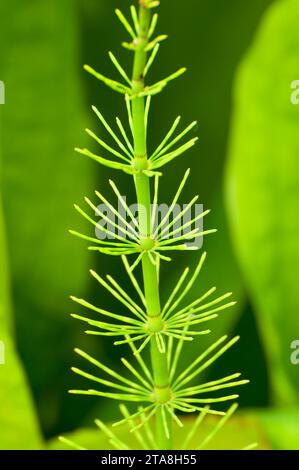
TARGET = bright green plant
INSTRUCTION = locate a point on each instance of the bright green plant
(160, 388)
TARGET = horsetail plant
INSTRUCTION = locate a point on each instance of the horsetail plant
(161, 392)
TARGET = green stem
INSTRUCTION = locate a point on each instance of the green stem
(142, 185)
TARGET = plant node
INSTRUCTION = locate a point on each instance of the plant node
(147, 243)
(162, 394)
(155, 324)
(141, 163)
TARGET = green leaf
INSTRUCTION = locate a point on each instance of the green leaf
(239, 432)
(281, 428)
(270, 429)
(18, 421)
(41, 122)
(42, 178)
(263, 189)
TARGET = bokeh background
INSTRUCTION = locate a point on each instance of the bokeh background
(242, 58)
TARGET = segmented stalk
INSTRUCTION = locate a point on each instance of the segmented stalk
(142, 185)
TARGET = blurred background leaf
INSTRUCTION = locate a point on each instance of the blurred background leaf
(41, 180)
(281, 428)
(263, 190)
(19, 427)
(275, 429)
(240, 432)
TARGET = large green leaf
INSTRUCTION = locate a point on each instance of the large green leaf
(270, 429)
(42, 175)
(42, 178)
(238, 433)
(18, 421)
(263, 189)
